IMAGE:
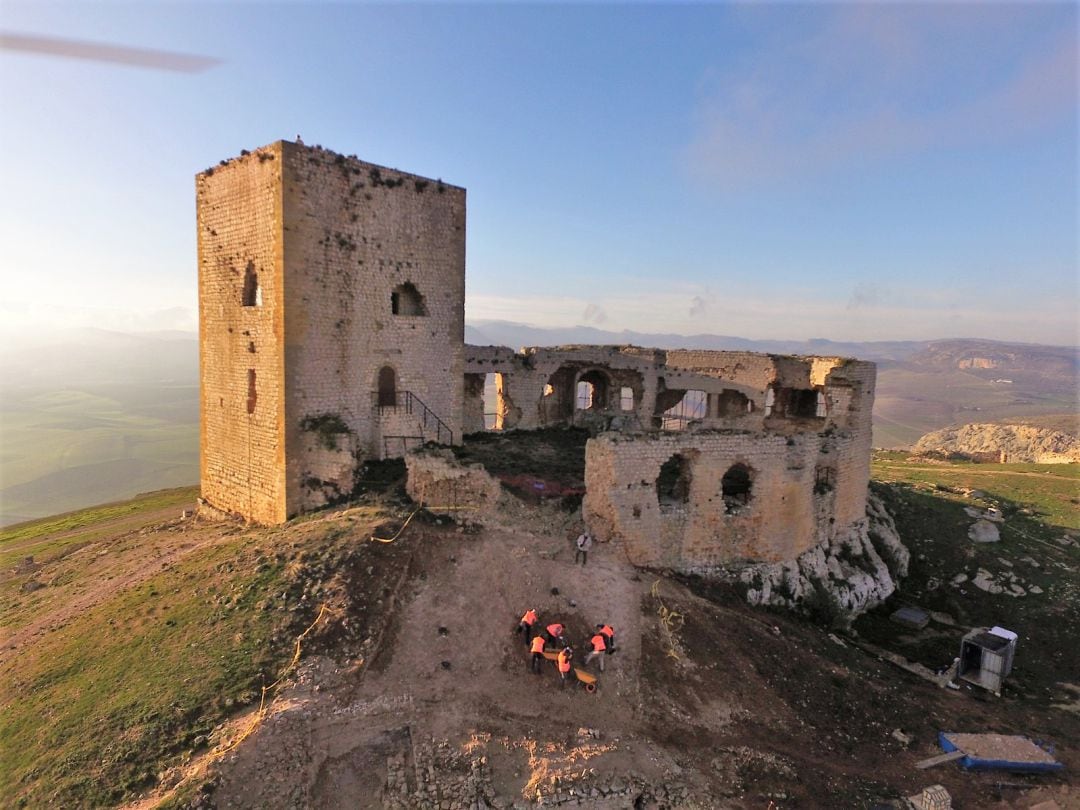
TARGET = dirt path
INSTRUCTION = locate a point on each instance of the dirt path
(86, 577)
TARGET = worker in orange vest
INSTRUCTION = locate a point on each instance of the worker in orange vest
(553, 633)
(565, 655)
(598, 647)
(608, 632)
(525, 626)
(536, 659)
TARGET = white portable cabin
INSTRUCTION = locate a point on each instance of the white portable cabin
(986, 657)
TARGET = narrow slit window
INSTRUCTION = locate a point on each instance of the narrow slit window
(252, 294)
(251, 397)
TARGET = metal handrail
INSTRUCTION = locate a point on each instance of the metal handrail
(410, 402)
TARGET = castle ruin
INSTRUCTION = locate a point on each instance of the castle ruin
(331, 301)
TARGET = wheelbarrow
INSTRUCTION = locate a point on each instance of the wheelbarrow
(586, 679)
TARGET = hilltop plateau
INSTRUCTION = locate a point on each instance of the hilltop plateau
(138, 637)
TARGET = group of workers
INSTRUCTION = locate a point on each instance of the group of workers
(602, 643)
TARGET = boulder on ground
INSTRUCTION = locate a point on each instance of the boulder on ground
(983, 531)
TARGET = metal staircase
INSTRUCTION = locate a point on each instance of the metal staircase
(431, 427)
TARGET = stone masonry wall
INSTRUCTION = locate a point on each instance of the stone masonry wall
(355, 232)
(788, 512)
(442, 485)
(242, 443)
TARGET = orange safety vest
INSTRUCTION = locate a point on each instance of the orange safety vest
(555, 630)
(597, 642)
(608, 631)
(538, 644)
(529, 617)
(564, 662)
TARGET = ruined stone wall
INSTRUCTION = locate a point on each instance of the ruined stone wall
(241, 357)
(355, 234)
(442, 485)
(789, 510)
(744, 390)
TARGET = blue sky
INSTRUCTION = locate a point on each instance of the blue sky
(856, 172)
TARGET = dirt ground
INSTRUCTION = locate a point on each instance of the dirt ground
(720, 705)
(417, 692)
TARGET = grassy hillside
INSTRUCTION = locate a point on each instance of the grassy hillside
(132, 634)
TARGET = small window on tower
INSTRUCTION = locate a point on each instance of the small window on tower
(252, 295)
(407, 300)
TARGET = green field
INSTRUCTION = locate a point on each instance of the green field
(1048, 492)
(65, 449)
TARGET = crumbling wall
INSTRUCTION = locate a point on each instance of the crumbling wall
(787, 512)
(743, 390)
(438, 482)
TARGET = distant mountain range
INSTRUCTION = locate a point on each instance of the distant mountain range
(516, 335)
(91, 414)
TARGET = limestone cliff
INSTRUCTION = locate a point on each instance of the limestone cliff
(841, 577)
(1011, 443)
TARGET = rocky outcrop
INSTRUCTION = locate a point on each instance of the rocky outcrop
(840, 578)
(1006, 443)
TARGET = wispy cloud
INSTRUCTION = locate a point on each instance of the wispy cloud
(876, 81)
(594, 314)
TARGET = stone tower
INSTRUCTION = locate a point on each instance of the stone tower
(331, 323)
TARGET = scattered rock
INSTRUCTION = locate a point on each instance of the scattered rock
(983, 531)
(984, 581)
(31, 585)
(901, 737)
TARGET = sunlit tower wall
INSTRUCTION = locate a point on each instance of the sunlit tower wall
(331, 324)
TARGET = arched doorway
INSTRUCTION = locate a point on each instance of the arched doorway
(387, 387)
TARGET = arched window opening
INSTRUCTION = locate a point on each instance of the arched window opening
(252, 294)
(732, 403)
(673, 483)
(387, 387)
(736, 487)
(407, 300)
(592, 391)
(691, 406)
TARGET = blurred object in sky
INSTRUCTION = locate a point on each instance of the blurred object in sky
(102, 52)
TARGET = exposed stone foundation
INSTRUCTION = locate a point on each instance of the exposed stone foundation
(442, 485)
